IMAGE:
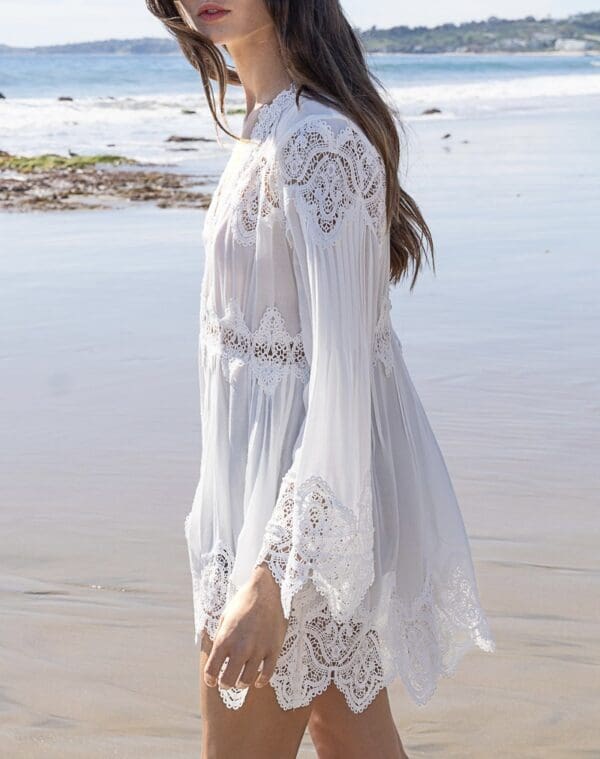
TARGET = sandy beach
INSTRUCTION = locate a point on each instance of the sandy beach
(99, 451)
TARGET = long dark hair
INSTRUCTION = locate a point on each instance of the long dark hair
(326, 59)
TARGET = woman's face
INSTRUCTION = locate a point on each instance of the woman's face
(232, 21)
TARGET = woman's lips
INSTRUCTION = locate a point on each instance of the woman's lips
(212, 13)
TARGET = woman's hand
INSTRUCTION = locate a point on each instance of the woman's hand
(251, 629)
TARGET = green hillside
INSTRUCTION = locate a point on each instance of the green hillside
(580, 32)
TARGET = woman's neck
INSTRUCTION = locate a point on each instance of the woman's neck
(258, 62)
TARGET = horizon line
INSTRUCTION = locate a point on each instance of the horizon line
(167, 36)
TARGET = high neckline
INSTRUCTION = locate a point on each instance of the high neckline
(268, 113)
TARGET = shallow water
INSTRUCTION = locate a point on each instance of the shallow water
(132, 104)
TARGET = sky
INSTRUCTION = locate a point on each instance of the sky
(25, 23)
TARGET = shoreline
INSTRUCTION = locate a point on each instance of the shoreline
(177, 53)
(171, 185)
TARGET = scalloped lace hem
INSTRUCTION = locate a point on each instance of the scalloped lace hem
(419, 642)
(234, 698)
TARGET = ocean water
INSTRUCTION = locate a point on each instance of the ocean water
(131, 104)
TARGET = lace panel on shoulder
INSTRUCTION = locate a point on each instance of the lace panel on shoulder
(335, 173)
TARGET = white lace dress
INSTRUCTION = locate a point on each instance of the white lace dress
(316, 453)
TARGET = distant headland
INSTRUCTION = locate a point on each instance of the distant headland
(577, 33)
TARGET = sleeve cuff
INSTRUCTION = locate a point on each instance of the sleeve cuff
(313, 536)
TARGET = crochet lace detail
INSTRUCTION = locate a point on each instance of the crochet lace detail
(420, 640)
(382, 350)
(258, 197)
(269, 114)
(270, 351)
(211, 590)
(334, 172)
(313, 535)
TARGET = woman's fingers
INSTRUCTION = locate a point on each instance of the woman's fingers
(239, 652)
(247, 627)
(231, 672)
(217, 656)
(242, 668)
(250, 671)
(268, 668)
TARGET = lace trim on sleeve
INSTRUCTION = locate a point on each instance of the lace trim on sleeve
(311, 535)
(336, 173)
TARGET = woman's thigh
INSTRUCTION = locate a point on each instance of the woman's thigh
(260, 729)
(338, 733)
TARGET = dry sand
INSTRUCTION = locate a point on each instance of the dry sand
(99, 447)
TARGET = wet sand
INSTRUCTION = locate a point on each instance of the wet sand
(99, 446)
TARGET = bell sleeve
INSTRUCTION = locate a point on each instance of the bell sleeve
(332, 183)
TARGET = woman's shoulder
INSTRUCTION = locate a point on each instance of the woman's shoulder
(313, 130)
(325, 153)
(325, 121)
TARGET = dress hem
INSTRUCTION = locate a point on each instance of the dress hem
(419, 642)
(486, 645)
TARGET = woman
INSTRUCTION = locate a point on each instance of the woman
(327, 550)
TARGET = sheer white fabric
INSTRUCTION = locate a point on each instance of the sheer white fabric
(317, 457)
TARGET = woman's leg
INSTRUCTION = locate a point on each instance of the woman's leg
(338, 733)
(260, 729)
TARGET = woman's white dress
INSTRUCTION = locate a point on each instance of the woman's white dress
(316, 453)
